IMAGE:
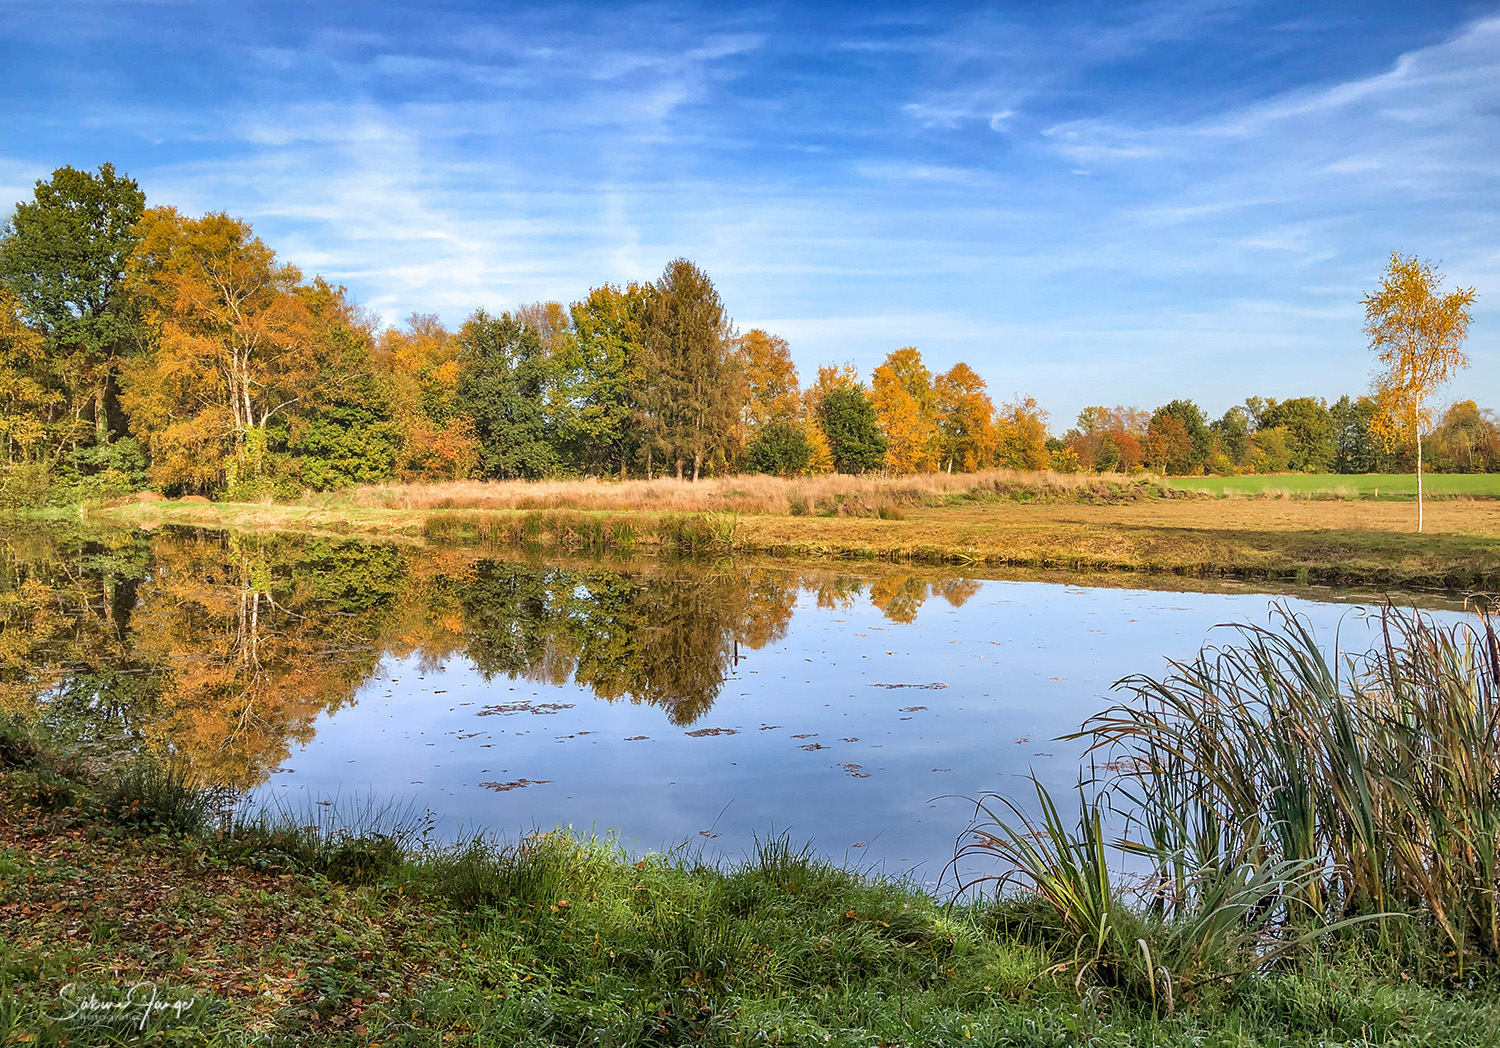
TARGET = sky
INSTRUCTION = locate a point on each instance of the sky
(1089, 203)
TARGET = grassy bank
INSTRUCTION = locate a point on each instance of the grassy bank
(995, 519)
(273, 932)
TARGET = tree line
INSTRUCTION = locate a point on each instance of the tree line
(144, 347)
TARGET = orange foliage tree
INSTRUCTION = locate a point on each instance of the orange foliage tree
(234, 347)
(421, 366)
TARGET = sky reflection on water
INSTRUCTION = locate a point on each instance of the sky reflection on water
(854, 732)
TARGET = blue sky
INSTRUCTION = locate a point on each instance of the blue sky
(1088, 202)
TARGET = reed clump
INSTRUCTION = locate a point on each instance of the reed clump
(1279, 794)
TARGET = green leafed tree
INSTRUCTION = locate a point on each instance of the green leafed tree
(694, 387)
(847, 418)
(64, 254)
(781, 449)
(1309, 432)
(600, 373)
(503, 382)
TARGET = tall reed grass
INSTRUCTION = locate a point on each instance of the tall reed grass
(1382, 768)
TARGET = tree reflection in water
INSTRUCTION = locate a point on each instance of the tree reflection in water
(224, 649)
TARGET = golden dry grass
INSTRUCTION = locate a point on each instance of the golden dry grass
(752, 494)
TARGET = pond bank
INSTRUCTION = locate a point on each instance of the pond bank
(1319, 542)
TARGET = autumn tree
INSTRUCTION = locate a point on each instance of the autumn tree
(418, 366)
(234, 347)
(965, 419)
(33, 415)
(694, 385)
(1417, 332)
(1466, 440)
(1200, 439)
(906, 405)
(64, 255)
(1021, 435)
(773, 392)
(1169, 449)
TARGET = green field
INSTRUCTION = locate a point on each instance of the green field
(1348, 485)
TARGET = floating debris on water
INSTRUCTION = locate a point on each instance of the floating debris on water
(703, 732)
(934, 686)
(515, 784)
(505, 709)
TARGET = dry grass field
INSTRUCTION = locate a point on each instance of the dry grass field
(748, 494)
(996, 518)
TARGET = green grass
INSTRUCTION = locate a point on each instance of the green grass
(1353, 485)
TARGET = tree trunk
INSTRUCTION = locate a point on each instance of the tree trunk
(697, 462)
(1419, 479)
(101, 417)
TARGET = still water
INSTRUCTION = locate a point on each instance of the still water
(675, 704)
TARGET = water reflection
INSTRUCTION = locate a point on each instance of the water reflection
(226, 649)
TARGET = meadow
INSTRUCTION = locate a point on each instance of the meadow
(1346, 485)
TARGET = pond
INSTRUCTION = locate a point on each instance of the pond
(677, 704)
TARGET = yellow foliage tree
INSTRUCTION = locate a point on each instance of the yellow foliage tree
(1021, 435)
(775, 393)
(965, 419)
(905, 406)
(1417, 332)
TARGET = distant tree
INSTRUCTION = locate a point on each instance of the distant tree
(502, 385)
(1353, 447)
(1169, 447)
(600, 378)
(694, 387)
(1200, 440)
(1417, 333)
(64, 254)
(906, 406)
(965, 419)
(343, 432)
(1271, 451)
(847, 419)
(1231, 433)
(1466, 440)
(418, 368)
(773, 392)
(1309, 429)
(781, 449)
(552, 322)
(1021, 435)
